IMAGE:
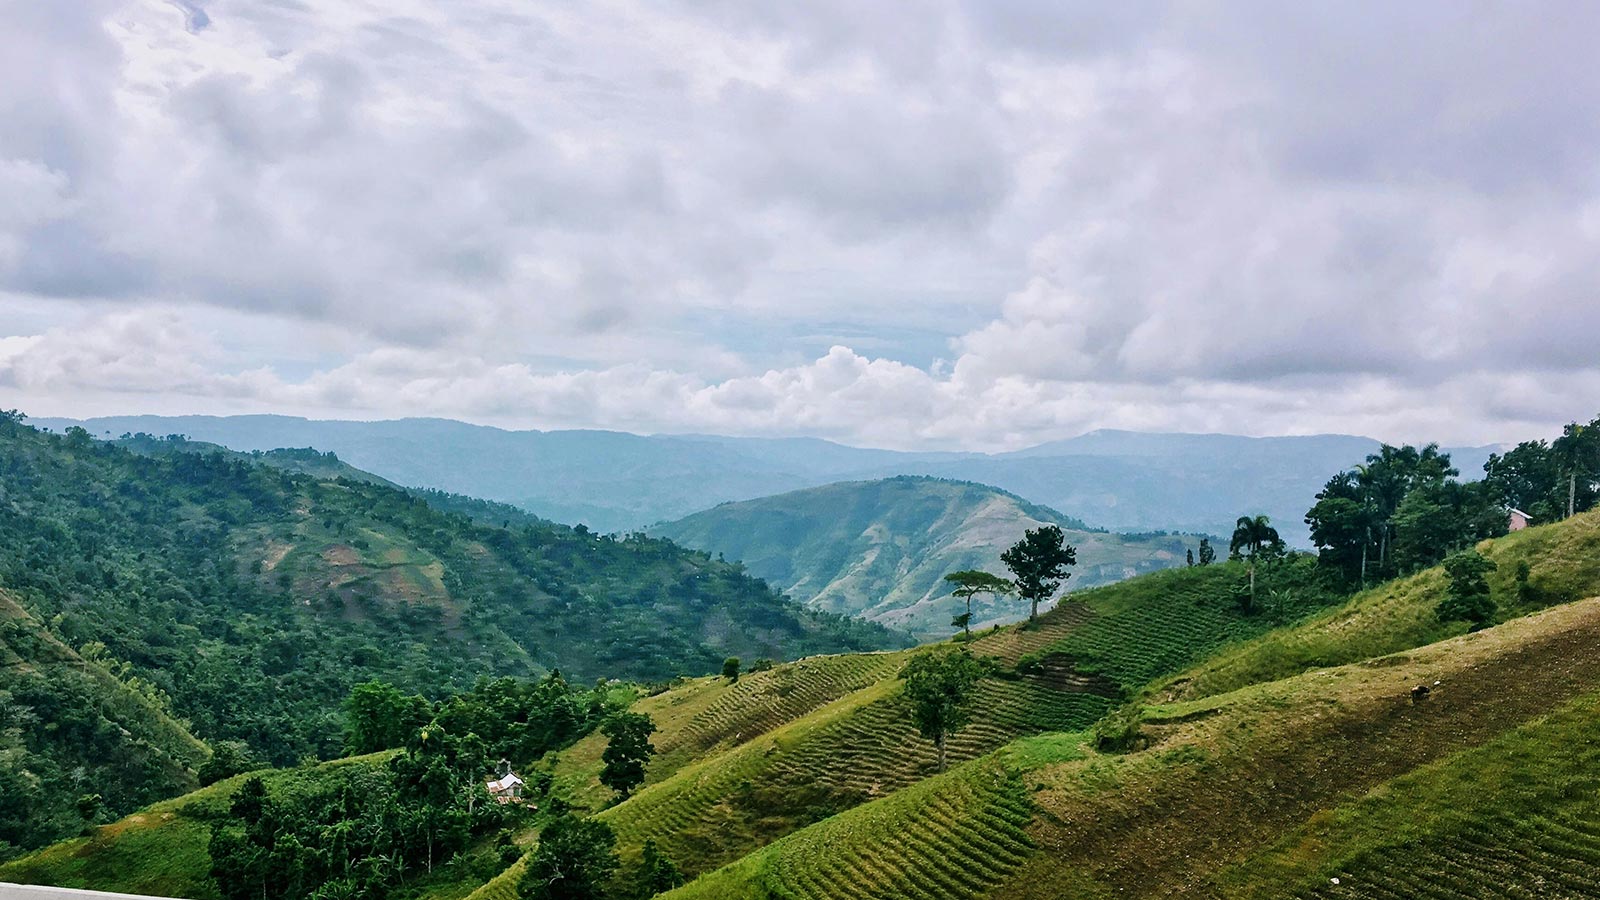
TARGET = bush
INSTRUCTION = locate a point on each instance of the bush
(1121, 731)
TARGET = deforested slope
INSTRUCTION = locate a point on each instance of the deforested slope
(881, 549)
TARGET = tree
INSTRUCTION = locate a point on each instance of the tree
(627, 751)
(730, 668)
(1254, 537)
(1575, 452)
(939, 685)
(89, 807)
(972, 581)
(378, 717)
(1208, 553)
(1038, 565)
(656, 874)
(228, 758)
(1188, 557)
(574, 860)
(1468, 597)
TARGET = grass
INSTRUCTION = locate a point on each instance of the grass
(1227, 776)
(951, 835)
(1521, 809)
(1563, 562)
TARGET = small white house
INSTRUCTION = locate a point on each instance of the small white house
(506, 789)
(1517, 519)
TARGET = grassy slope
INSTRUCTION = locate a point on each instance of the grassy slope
(1230, 774)
(757, 776)
(160, 850)
(881, 549)
(1225, 777)
(1563, 565)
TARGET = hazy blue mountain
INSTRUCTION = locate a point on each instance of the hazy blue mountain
(880, 549)
(612, 481)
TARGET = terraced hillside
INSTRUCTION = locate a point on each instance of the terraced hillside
(881, 549)
(1202, 811)
(1537, 567)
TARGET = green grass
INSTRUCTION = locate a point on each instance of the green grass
(1523, 809)
(1563, 564)
(951, 835)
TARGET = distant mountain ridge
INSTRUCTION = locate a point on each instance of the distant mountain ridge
(613, 481)
(880, 549)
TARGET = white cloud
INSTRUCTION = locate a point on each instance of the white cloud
(982, 224)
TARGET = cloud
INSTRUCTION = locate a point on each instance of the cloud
(981, 224)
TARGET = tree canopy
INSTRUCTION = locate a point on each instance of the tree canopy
(1038, 565)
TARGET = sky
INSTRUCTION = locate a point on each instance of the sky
(976, 225)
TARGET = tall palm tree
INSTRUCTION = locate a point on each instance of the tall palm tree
(1569, 448)
(1251, 536)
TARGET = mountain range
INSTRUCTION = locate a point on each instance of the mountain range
(614, 482)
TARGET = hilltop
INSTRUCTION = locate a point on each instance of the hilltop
(613, 481)
(881, 549)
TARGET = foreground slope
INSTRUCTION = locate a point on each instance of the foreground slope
(1270, 789)
(1202, 810)
(881, 549)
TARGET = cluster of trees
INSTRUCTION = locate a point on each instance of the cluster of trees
(1404, 509)
(1549, 481)
(514, 718)
(371, 829)
(1401, 510)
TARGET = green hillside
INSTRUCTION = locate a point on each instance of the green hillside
(881, 549)
(248, 600)
(1238, 762)
(70, 727)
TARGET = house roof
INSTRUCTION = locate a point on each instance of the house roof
(1517, 512)
(505, 784)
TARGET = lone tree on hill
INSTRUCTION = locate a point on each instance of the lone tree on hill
(972, 581)
(1468, 597)
(940, 685)
(575, 860)
(1252, 538)
(1208, 553)
(1038, 564)
(730, 668)
(626, 752)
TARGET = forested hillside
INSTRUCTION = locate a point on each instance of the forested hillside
(881, 549)
(245, 601)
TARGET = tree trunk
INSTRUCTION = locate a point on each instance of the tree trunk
(1033, 613)
(1364, 545)
(940, 745)
(1252, 584)
(1572, 490)
(967, 625)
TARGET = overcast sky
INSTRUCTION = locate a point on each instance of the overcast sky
(925, 225)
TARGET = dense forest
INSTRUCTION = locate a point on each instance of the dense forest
(243, 602)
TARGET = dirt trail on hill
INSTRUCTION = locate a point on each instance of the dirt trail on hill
(1274, 755)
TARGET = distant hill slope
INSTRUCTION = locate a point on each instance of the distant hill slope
(612, 481)
(881, 549)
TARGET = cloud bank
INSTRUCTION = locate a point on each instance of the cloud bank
(937, 225)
